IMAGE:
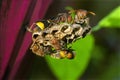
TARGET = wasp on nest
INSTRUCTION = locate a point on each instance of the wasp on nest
(51, 37)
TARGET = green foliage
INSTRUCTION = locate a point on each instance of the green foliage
(65, 69)
(113, 71)
(72, 69)
(110, 21)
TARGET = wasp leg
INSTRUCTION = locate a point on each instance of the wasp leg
(30, 28)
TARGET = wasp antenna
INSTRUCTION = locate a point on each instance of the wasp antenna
(32, 25)
(91, 13)
(30, 28)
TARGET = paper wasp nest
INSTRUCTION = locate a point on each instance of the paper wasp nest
(62, 30)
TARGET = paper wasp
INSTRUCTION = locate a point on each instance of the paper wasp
(53, 35)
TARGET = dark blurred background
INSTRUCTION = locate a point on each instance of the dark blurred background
(105, 58)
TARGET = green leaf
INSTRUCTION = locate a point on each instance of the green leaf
(110, 21)
(113, 70)
(66, 69)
